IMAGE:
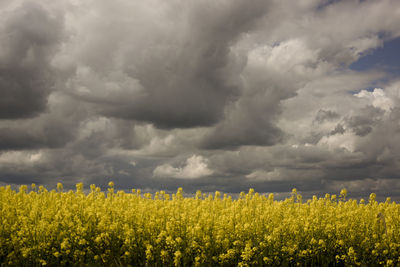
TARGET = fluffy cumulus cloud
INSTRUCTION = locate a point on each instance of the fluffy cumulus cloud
(195, 167)
(210, 95)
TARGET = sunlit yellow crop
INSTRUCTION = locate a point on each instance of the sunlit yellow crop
(41, 227)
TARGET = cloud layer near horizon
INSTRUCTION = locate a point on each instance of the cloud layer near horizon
(210, 95)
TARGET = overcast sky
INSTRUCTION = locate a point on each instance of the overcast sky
(210, 95)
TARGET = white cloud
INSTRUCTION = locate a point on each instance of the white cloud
(261, 175)
(377, 97)
(21, 158)
(196, 167)
(332, 142)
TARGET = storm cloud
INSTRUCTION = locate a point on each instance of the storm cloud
(210, 95)
(29, 38)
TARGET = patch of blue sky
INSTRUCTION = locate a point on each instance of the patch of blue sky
(326, 3)
(385, 58)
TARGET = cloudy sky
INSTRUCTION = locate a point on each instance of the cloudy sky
(210, 95)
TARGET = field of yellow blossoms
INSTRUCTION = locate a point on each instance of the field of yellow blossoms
(41, 227)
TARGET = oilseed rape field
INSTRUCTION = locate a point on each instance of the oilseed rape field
(76, 228)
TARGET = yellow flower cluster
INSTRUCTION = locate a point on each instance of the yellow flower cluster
(41, 227)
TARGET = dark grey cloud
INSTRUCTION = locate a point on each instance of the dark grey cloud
(338, 130)
(29, 37)
(186, 76)
(51, 129)
(324, 115)
(11, 139)
(363, 124)
(251, 124)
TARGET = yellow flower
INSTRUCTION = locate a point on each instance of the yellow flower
(251, 230)
(59, 186)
